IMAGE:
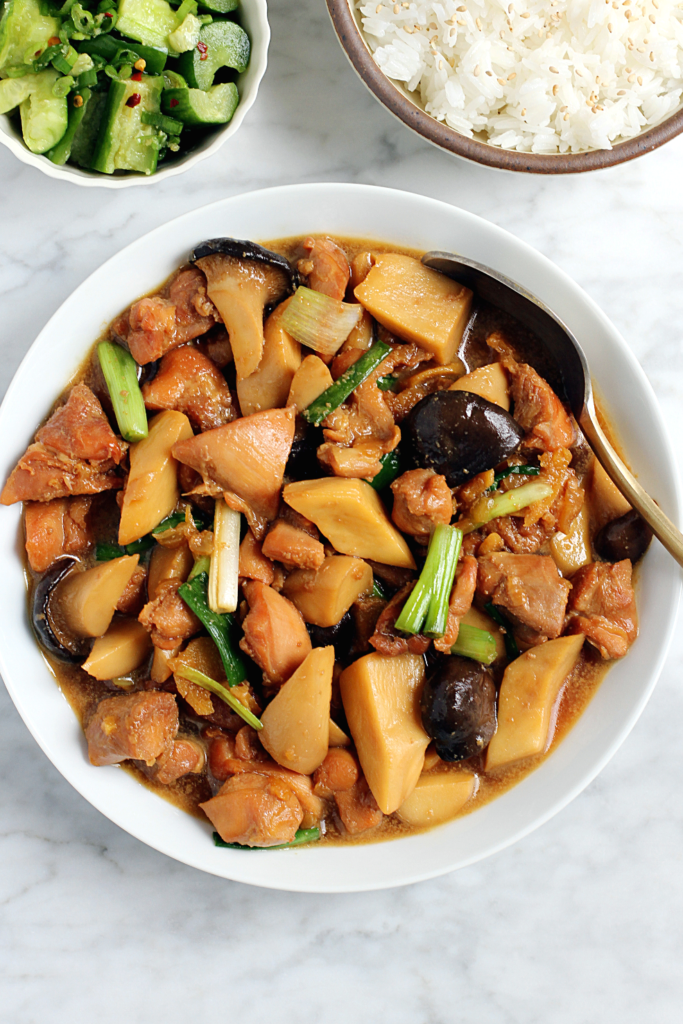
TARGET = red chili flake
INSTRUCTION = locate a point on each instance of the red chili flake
(174, 103)
(108, 14)
(53, 40)
(203, 49)
(133, 100)
(136, 76)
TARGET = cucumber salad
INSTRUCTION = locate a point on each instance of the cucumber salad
(119, 85)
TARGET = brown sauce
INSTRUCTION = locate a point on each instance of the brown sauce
(84, 693)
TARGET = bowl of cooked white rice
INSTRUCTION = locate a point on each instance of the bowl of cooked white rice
(546, 86)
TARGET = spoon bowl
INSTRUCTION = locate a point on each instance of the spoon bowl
(570, 376)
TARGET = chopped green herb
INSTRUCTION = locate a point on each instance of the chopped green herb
(303, 835)
(219, 627)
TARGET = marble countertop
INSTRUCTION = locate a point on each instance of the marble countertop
(582, 920)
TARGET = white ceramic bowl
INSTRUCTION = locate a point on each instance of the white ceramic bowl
(405, 219)
(253, 16)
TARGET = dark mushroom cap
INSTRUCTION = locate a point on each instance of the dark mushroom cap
(459, 708)
(240, 249)
(49, 635)
(458, 434)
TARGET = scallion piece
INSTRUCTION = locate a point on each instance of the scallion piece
(511, 647)
(203, 564)
(302, 835)
(386, 383)
(426, 610)
(176, 518)
(120, 373)
(338, 392)
(224, 572)
(219, 627)
(193, 675)
(319, 321)
(475, 643)
(507, 504)
(105, 551)
(391, 467)
(167, 124)
(378, 590)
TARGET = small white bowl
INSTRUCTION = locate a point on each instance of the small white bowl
(253, 17)
(409, 220)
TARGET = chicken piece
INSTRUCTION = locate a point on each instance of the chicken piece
(291, 546)
(42, 474)
(189, 382)
(358, 808)
(141, 726)
(460, 602)
(539, 411)
(393, 575)
(386, 639)
(275, 634)
(422, 498)
(338, 773)
(168, 618)
(518, 537)
(603, 607)
(221, 753)
(253, 564)
(246, 458)
(247, 746)
(301, 784)
(55, 528)
(195, 313)
(80, 429)
(559, 510)
(529, 587)
(362, 462)
(327, 267)
(255, 810)
(132, 600)
(184, 757)
(151, 329)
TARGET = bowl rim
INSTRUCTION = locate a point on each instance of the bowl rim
(350, 868)
(256, 69)
(399, 103)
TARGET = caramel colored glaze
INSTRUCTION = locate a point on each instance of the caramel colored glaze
(84, 693)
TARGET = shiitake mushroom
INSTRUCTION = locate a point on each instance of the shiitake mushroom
(628, 536)
(63, 646)
(459, 707)
(340, 636)
(458, 434)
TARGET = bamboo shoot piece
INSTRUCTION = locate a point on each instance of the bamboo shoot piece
(352, 517)
(296, 723)
(607, 503)
(122, 649)
(572, 550)
(436, 798)
(223, 573)
(488, 382)
(324, 595)
(338, 737)
(152, 490)
(527, 698)
(268, 386)
(309, 382)
(161, 670)
(381, 697)
(85, 602)
(168, 564)
(416, 303)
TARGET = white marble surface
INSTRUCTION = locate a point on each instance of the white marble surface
(580, 922)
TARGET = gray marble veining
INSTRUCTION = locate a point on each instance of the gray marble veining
(581, 921)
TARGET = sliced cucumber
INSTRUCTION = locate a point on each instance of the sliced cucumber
(194, 106)
(85, 140)
(222, 44)
(24, 31)
(220, 6)
(172, 80)
(125, 143)
(60, 153)
(186, 36)
(108, 48)
(14, 91)
(44, 116)
(148, 21)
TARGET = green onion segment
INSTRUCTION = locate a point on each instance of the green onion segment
(426, 610)
(219, 627)
(302, 835)
(503, 624)
(121, 374)
(391, 467)
(475, 643)
(319, 321)
(193, 675)
(338, 392)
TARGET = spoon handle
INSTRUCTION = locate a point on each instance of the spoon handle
(662, 527)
